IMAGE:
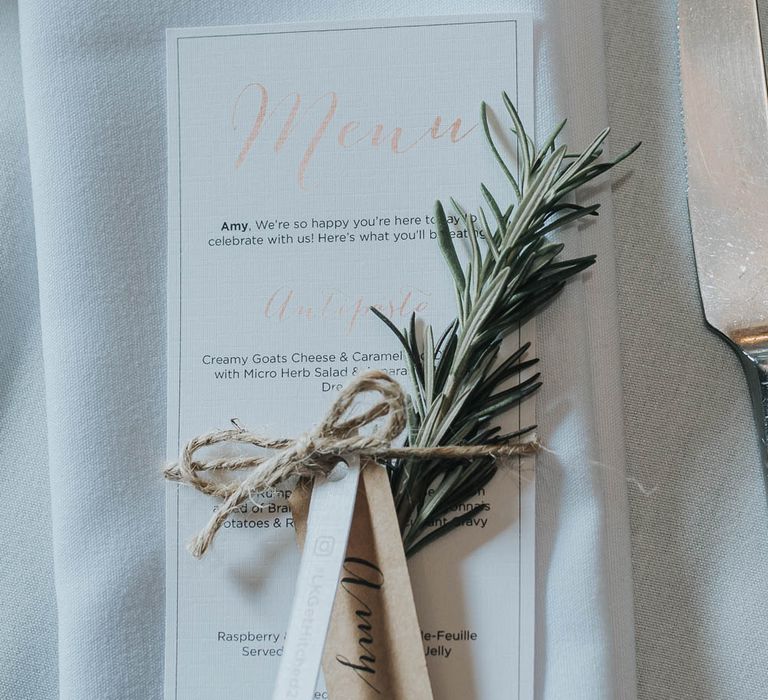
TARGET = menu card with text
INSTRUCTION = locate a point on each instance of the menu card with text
(304, 163)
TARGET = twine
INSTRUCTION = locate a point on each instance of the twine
(317, 452)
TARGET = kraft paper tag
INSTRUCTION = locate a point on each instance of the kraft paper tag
(373, 649)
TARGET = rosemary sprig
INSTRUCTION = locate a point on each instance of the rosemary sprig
(511, 271)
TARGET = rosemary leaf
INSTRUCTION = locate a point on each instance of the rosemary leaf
(511, 272)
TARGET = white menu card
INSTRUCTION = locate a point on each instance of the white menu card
(304, 162)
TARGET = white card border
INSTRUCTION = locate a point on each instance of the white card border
(523, 63)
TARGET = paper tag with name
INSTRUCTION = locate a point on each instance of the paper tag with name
(304, 163)
(373, 649)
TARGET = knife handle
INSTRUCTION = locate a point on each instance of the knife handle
(755, 363)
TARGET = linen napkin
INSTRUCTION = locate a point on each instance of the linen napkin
(27, 603)
(94, 82)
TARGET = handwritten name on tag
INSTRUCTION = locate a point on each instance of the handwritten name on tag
(374, 648)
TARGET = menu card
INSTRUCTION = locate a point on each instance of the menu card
(304, 163)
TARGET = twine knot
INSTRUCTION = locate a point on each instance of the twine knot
(316, 452)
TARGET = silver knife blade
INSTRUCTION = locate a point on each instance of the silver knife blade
(725, 113)
(725, 108)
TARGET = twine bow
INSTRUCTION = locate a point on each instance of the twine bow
(317, 452)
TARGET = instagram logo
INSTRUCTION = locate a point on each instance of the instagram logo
(324, 546)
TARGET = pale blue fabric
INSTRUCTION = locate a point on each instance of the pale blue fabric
(27, 601)
(82, 374)
(698, 499)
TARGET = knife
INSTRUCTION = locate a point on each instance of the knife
(725, 112)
